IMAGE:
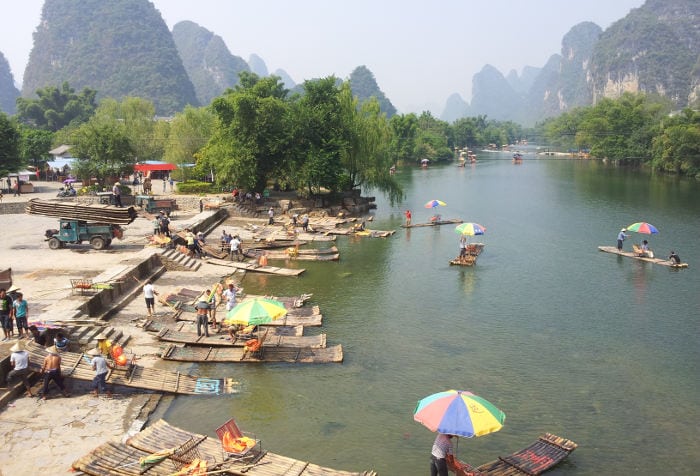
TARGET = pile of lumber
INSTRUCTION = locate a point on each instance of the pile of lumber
(76, 211)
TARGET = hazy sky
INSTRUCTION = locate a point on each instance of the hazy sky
(420, 52)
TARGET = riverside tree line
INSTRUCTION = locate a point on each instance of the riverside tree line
(324, 139)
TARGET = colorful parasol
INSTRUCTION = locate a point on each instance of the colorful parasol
(643, 227)
(460, 413)
(435, 203)
(470, 229)
(254, 312)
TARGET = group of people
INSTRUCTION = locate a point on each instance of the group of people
(161, 224)
(13, 312)
(195, 243)
(644, 248)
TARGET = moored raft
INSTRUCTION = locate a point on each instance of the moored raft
(123, 458)
(629, 254)
(222, 340)
(253, 267)
(332, 354)
(78, 366)
(152, 326)
(434, 223)
(542, 455)
(331, 254)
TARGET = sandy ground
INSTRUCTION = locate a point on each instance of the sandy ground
(47, 436)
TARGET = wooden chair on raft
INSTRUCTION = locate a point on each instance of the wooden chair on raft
(235, 444)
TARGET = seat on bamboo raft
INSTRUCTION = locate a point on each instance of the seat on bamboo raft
(545, 453)
(236, 444)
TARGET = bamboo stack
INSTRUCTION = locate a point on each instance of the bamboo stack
(221, 340)
(76, 211)
(332, 354)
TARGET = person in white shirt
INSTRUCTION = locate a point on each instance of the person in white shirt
(149, 293)
(99, 365)
(19, 360)
(442, 447)
(236, 248)
(230, 295)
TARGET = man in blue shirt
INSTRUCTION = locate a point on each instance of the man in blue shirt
(620, 238)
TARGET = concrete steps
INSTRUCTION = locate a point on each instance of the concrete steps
(174, 260)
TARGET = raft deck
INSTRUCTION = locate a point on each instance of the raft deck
(545, 453)
(451, 221)
(332, 354)
(222, 340)
(152, 326)
(78, 366)
(256, 268)
(629, 254)
(123, 459)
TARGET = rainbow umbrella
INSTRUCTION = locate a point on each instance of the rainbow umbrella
(460, 413)
(435, 203)
(254, 312)
(643, 227)
(470, 229)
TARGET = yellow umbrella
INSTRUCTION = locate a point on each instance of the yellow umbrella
(255, 312)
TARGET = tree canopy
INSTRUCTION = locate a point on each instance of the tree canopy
(9, 146)
(57, 108)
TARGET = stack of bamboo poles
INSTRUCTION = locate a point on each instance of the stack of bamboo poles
(76, 211)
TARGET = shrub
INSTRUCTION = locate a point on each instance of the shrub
(193, 187)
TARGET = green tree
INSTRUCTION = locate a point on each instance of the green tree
(103, 149)
(367, 158)
(56, 108)
(677, 147)
(190, 131)
(136, 119)
(10, 160)
(251, 137)
(403, 140)
(34, 145)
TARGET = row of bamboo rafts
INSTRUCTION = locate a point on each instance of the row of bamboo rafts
(223, 340)
(182, 447)
(78, 211)
(434, 223)
(305, 355)
(540, 456)
(291, 303)
(629, 254)
(78, 366)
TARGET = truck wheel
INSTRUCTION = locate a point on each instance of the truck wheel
(55, 243)
(98, 242)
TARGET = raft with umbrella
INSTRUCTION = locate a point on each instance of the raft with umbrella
(473, 250)
(222, 340)
(449, 221)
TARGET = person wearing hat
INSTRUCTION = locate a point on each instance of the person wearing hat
(203, 307)
(103, 345)
(19, 360)
(99, 365)
(52, 371)
(620, 238)
(271, 216)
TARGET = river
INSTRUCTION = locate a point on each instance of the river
(597, 348)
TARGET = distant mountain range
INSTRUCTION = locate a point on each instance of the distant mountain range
(125, 49)
(654, 49)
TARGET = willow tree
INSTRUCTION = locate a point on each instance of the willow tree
(189, 132)
(367, 159)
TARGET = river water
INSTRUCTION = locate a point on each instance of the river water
(597, 348)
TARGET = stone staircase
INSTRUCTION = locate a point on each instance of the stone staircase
(243, 210)
(174, 260)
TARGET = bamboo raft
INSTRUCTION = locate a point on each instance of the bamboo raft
(222, 340)
(629, 254)
(298, 317)
(256, 268)
(374, 233)
(77, 211)
(78, 366)
(449, 221)
(473, 251)
(332, 354)
(123, 458)
(545, 453)
(290, 331)
(293, 255)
